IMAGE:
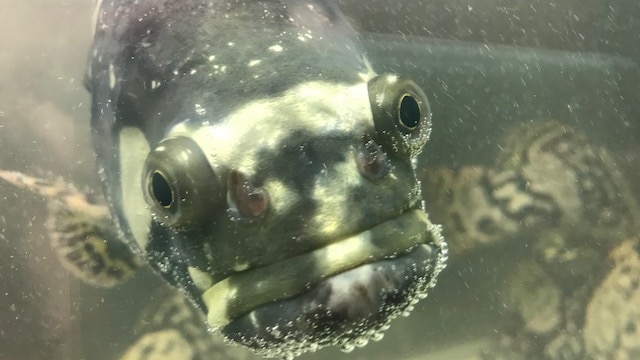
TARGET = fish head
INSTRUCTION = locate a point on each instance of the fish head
(270, 176)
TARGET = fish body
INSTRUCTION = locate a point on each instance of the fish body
(252, 157)
(559, 214)
(547, 176)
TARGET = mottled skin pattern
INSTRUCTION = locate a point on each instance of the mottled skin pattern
(570, 206)
(171, 328)
(546, 177)
(80, 231)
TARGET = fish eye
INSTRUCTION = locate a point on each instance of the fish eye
(401, 114)
(409, 114)
(245, 200)
(179, 184)
(161, 190)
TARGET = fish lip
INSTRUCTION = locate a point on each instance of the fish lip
(318, 319)
(242, 293)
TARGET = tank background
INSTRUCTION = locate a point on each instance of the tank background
(44, 129)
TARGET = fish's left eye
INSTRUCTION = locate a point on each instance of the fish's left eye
(409, 113)
(401, 114)
(179, 184)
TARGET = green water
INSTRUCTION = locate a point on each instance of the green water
(483, 66)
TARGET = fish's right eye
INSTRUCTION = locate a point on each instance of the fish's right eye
(401, 114)
(179, 184)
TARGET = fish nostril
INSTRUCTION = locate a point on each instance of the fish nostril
(244, 198)
(372, 160)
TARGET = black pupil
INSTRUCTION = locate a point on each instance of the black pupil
(161, 190)
(409, 112)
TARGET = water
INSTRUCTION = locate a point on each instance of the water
(573, 61)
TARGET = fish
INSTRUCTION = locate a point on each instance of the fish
(547, 175)
(564, 211)
(250, 155)
(169, 327)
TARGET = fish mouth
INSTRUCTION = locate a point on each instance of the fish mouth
(337, 294)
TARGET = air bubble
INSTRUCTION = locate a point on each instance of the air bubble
(347, 347)
(362, 342)
(275, 331)
(377, 336)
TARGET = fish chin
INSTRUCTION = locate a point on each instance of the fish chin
(347, 309)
